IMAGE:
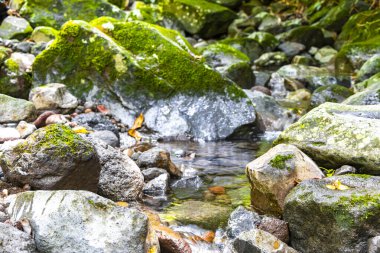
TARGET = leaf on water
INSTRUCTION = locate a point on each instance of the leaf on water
(136, 125)
(80, 130)
(122, 204)
(337, 185)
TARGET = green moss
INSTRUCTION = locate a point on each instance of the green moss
(279, 161)
(99, 205)
(12, 65)
(369, 204)
(364, 176)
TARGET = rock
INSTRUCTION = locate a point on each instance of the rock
(272, 59)
(330, 93)
(15, 28)
(266, 40)
(79, 221)
(43, 34)
(241, 220)
(120, 178)
(374, 244)
(51, 158)
(299, 99)
(228, 3)
(353, 29)
(350, 138)
(15, 110)
(231, 63)
(292, 49)
(152, 173)
(23, 61)
(275, 173)
(367, 83)
(309, 36)
(157, 186)
(276, 227)
(54, 96)
(13, 240)
(167, 90)
(95, 121)
(248, 46)
(8, 134)
(200, 17)
(127, 141)
(257, 240)
(106, 136)
(311, 77)
(54, 13)
(158, 158)
(345, 169)
(203, 214)
(120, 3)
(24, 47)
(369, 96)
(350, 215)
(304, 59)
(25, 129)
(262, 88)
(171, 241)
(326, 55)
(369, 68)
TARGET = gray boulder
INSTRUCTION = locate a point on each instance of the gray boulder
(15, 28)
(52, 158)
(15, 110)
(106, 136)
(241, 220)
(13, 240)
(152, 173)
(157, 186)
(79, 221)
(96, 121)
(120, 178)
(330, 93)
(275, 173)
(335, 134)
(345, 218)
(368, 96)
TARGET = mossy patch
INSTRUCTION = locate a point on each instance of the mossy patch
(279, 161)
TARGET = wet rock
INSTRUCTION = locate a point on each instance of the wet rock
(25, 129)
(270, 23)
(350, 138)
(51, 158)
(96, 121)
(157, 186)
(374, 244)
(304, 59)
(158, 158)
(326, 55)
(54, 96)
(368, 96)
(106, 136)
(24, 47)
(299, 99)
(8, 134)
(13, 240)
(262, 89)
(230, 62)
(241, 220)
(15, 110)
(266, 40)
(126, 141)
(200, 17)
(350, 215)
(291, 49)
(277, 86)
(275, 173)
(15, 28)
(345, 169)
(272, 59)
(330, 93)
(120, 178)
(86, 10)
(43, 34)
(152, 173)
(56, 119)
(276, 227)
(248, 46)
(79, 221)
(257, 240)
(171, 241)
(309, 36)
(203, 214)
(369, 68)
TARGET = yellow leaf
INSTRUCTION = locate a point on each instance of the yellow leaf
(330, 186)
(80, 130)
(135, 134)
(337, 185)
(122, 204)
(137, 124)
(276, 245)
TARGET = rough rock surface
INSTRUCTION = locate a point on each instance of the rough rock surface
(13, 240)
(15, 110)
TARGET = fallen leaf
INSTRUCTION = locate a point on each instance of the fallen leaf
(136, 125)
(276, 245)
(102, 109)
(337, 185)
(122, 204)
(80, 130)
(135, 134)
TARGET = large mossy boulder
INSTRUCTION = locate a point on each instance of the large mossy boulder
(79, 221)
(135, 66)
(334, 135)
(360, 27)
(15, 110)
(200, 17)
(344, 218)
(54, 13)
(52, 158)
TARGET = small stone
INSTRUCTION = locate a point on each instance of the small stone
(106, 136)
(345, 169)
(218, 190)
(152, 173)
(157, 186)
(276, 227)
(88, 110)
(56, 119)
(241, 220)
(262, 89)
(25, 129)
(8, 134)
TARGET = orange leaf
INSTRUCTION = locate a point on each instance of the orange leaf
(138, 122)
(102, 109)
(135, 134)
(122, 204)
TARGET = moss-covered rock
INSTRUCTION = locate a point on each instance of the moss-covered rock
(272, 59)
(64, 161)
(228, 3)
(330, 93)
(360, 27)
(43, 34)
(367, 83)
(54, 13)
(15, 28)
(334, 135)
(248, 46)
(309, 36)
(369, 96)
(266, 40)
(231, 63)
(344, 219)
(203, 214)
(369, 68)
(200, 17)
(4, 54)
(150, 13)
(120, 3)
(15, 110)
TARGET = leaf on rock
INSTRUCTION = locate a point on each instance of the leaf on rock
(122, 204)
(276, 245)
(135, 134)
(337, 185)
(136, 125)
(80, 130)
